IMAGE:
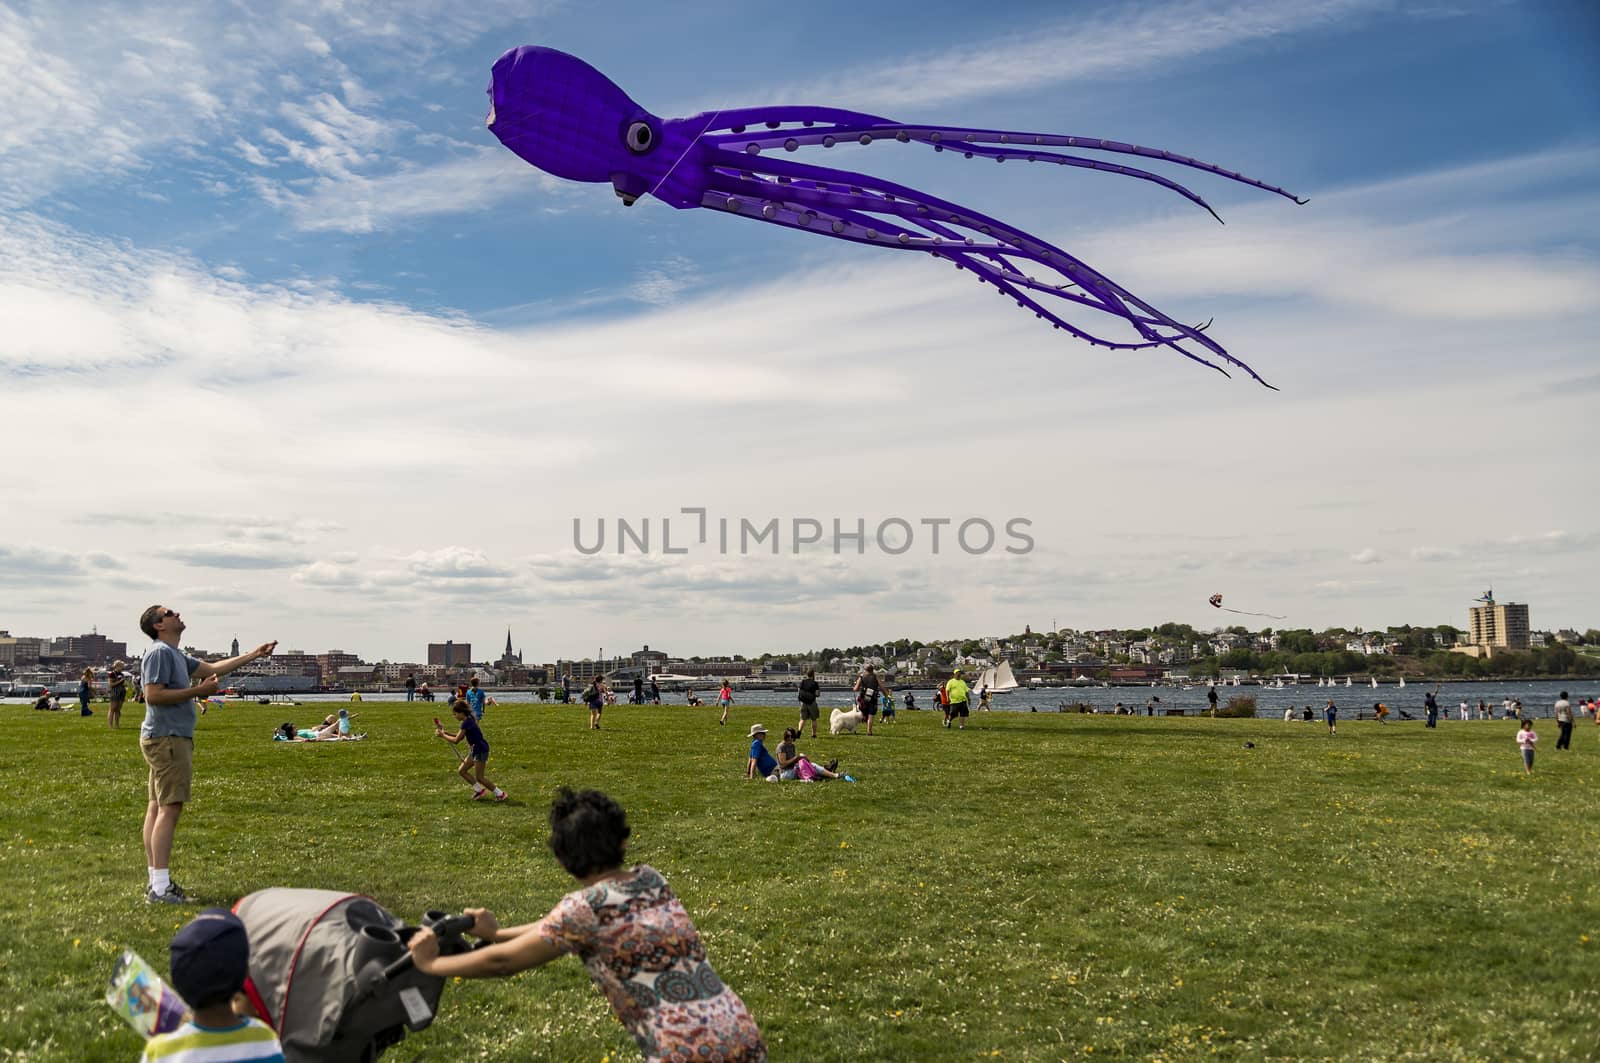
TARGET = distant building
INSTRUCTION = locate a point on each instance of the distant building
(652, 661)
(1501, 625)
(451, 654)
(716, 667)
(20, 651)
(509, 659)
(334, 661)
(586, 668)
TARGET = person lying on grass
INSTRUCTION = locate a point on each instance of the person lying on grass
(631, 932)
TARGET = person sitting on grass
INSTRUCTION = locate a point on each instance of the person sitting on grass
(477, 751)
(792, 766)
(761, 765)
(210, 959)
(1380, 712)
(631, 932)
(693, 699)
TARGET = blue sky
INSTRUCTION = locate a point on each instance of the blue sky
(400, 362)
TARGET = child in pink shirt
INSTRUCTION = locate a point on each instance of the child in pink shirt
(1526, 739)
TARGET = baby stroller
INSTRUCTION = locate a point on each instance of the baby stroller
(330, 972)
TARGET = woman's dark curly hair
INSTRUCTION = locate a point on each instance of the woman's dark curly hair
(587, 832)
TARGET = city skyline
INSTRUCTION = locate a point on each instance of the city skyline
(429, 657)
(384, 370)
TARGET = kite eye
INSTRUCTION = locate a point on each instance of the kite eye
(640, 137)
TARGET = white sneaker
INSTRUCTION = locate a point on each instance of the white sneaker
(171, 895)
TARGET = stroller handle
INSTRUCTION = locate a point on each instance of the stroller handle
(446, 927)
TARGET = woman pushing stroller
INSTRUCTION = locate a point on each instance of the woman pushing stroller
(631, 932)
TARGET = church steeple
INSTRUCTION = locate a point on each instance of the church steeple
(508, 642)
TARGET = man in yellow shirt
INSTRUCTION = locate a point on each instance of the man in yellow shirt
(956, 692)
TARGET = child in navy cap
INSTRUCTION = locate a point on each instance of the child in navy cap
(210, 959)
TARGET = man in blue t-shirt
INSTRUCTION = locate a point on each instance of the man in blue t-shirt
(172, 681)
(762, 763)
(475, 698)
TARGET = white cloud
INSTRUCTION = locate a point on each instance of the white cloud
(1084, 47)
(1366, 556)
(343, 201)
(172, 76)
(873, 384)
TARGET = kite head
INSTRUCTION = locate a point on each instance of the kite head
(562, 115)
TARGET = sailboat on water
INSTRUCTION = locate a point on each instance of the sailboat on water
(998, 678)
(1346, 680)
(1402, 680)
(1374, 682)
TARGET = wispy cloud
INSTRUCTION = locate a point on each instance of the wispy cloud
(1082, 48)
(351, 202)
(234, 555)
(180, 75)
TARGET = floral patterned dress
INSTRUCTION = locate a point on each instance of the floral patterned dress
(644, 954)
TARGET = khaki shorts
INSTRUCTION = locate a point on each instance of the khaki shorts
(171, 763)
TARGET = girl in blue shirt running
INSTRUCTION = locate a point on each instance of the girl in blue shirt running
(477, 751)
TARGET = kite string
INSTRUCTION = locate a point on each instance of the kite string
(696, 139)
(1241, 612)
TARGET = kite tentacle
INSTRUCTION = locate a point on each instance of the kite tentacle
(739, 120)
(961, 138)
(821, 188)
(1000, 154)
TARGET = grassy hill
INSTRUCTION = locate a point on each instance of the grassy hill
(1038, 887)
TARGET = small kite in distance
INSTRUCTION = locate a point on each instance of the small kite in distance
(1216, 603)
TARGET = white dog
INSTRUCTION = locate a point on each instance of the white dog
(842, 721)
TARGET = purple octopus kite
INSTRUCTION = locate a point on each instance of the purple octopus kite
(568, 119)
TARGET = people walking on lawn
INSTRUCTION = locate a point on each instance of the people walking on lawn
(1332, 715)
(166, 738)
(631, 932)
(1466, 711)
(477, 758)
(887, 713)
(85, 692)
(953, 694)
(1563, 714)
(867, 690)
(475, 699)
(1211, 698)
(1430, 702)
(655, 691)
(724, 700)
(411, 686)
(117, 691)
(809, 689)
(1526, 740)
(594, 696)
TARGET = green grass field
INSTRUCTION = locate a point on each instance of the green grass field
(1039, 887)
